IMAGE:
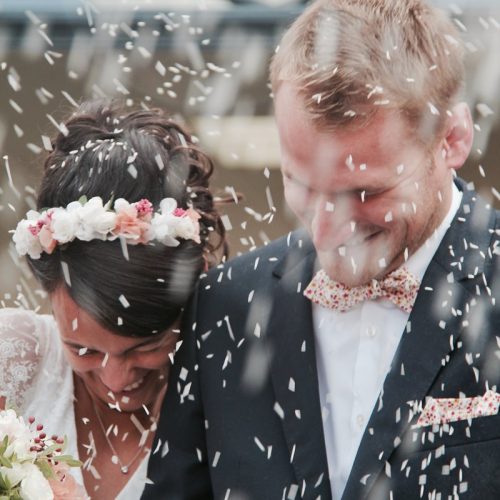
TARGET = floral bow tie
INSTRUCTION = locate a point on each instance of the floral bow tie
(400, 287)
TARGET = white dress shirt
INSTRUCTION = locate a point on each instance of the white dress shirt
(354, 351)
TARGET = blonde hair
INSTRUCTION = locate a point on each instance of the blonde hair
(350, 58)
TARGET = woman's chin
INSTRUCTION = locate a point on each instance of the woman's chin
(136, 399)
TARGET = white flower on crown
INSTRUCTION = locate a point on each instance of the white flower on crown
(25, 241)
(95, 220)
(172, 223)
(188, 226)
(63, 224)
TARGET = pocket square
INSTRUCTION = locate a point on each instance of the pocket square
(445, 410)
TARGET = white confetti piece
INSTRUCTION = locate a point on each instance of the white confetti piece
(47, 144)
(123, 301)
(13, 80)
(69, 98)
(226, 222)
(132, 170)
(259, 443)
(433, 108)
(65, 270)
(159, 162)
(15, 106)
(279, 410)
(349, 163)
(256, 331)
(18, 130)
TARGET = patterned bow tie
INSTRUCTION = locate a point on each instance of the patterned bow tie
(400, 287)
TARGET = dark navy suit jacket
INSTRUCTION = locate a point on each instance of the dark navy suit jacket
(242, 417)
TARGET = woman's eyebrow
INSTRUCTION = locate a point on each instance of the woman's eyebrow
(74, 344)
(140, 344)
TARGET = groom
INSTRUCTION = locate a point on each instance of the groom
(359, 358)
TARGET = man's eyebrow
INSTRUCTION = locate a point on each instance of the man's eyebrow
(372, 188)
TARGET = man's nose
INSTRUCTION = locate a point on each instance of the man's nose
(332, 224)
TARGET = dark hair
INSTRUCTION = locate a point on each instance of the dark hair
(112, 152)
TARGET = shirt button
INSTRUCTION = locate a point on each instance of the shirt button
(371, 331)
(360, 420)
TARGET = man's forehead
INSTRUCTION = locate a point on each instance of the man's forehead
(385, 123)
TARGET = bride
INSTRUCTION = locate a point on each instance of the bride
(125, 225)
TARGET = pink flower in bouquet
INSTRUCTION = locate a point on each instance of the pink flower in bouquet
(64, 485)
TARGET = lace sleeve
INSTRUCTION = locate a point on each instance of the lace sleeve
(21, 335)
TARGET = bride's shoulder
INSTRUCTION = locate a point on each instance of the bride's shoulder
(17, 322)
(25, 337)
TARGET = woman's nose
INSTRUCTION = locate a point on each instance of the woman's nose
(116, 374)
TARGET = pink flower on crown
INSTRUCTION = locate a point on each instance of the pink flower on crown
(43, 232)
(179, 212)
(46, 239)
(35, 229)
(129, 225)
(144, 209)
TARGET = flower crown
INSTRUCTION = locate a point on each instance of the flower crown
(92, 220)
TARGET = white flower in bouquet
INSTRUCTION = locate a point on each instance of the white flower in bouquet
(29, 479)
(29, 462)
(19, 435)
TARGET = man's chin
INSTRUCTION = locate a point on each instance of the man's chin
(350, 275)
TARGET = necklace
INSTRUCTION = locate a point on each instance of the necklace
(124, 468)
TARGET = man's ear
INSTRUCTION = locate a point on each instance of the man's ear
(458, 136)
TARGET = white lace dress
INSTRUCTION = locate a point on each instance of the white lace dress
(36, 378)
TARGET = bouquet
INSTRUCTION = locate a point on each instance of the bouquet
(32, 465)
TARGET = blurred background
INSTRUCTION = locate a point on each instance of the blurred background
(206, 62)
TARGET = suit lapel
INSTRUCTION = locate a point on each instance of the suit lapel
(294, 374)
(431, 335)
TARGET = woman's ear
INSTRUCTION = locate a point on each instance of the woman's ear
(458, 136)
